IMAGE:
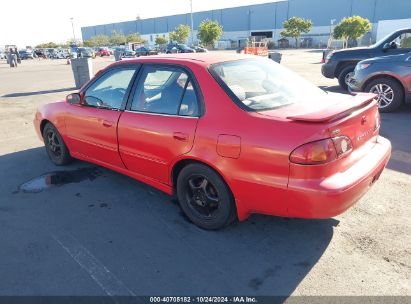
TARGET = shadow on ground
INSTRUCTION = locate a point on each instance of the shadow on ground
(142, 238)
(397, 128)
(23, 94)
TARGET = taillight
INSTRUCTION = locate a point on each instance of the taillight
(322, 151)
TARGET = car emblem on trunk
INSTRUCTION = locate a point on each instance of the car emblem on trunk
(336, 131)
(363, 119)
(365, 134)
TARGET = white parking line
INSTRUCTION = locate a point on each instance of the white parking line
(110, 284)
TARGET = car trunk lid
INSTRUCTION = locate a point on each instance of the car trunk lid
(356, 116)
(332, 109)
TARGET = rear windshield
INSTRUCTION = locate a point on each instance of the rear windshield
(262, 84)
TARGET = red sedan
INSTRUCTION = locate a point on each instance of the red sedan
(229, 135)
(103, 52)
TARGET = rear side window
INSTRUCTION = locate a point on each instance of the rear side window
(165, 90)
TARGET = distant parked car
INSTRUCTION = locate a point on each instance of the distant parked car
(145, 51)
(101, 52)
(26, 55)
(2, 55)
(200, 49)
(389, 77)
(178, 48)
(86, 53)
(40, 53)
(60, 54)
(128, 54)
(341, 64)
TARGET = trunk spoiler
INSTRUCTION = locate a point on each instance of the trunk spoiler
(336, 111)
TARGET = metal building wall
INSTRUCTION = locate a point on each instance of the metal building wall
(270, 16)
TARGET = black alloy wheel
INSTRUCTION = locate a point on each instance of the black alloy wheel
(55, 146)
(204, 197)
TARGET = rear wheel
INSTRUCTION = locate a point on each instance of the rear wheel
(346, 76)
(390, 93)
(55, 146)
(204, 197)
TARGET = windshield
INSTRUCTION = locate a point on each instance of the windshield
(260, 85)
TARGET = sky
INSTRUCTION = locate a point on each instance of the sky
(28, 22)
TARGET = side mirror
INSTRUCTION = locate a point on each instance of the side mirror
(73, 98)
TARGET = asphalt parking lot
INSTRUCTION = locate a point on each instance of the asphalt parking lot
(101, 233)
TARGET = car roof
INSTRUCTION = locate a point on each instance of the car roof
(203, 59)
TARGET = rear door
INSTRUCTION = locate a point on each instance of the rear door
(92, 126)
(160, 122)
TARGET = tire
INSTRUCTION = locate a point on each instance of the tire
(55, 146)
(390, 93)
(205, 198)
(342, 78)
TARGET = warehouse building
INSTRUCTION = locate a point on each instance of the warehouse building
(267, 20)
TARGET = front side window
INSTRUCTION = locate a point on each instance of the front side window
(109, 90)
(165, 90)
(260, 85)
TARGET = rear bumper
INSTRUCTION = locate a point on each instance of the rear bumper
(333, 195)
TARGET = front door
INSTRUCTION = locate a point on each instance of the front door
(92, 126)
(160, 123)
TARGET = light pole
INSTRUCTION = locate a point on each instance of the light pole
(192, 22)
(332, 21)
(72, 26)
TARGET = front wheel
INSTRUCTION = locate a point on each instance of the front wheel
(390, 94)
(346, 76)
(204, 197)
(55, 146)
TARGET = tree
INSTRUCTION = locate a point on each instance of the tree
(180, 33)
(161, 40)
(48, 45)
(77, 42)
(209, 32)
(134, 37)
(89, 43)
(99, 40)
(294, 26)
(117, 38)
(351, 28)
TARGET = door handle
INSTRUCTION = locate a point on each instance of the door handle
(180, 136)
(107, 123)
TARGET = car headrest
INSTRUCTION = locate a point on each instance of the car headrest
(239, 91)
